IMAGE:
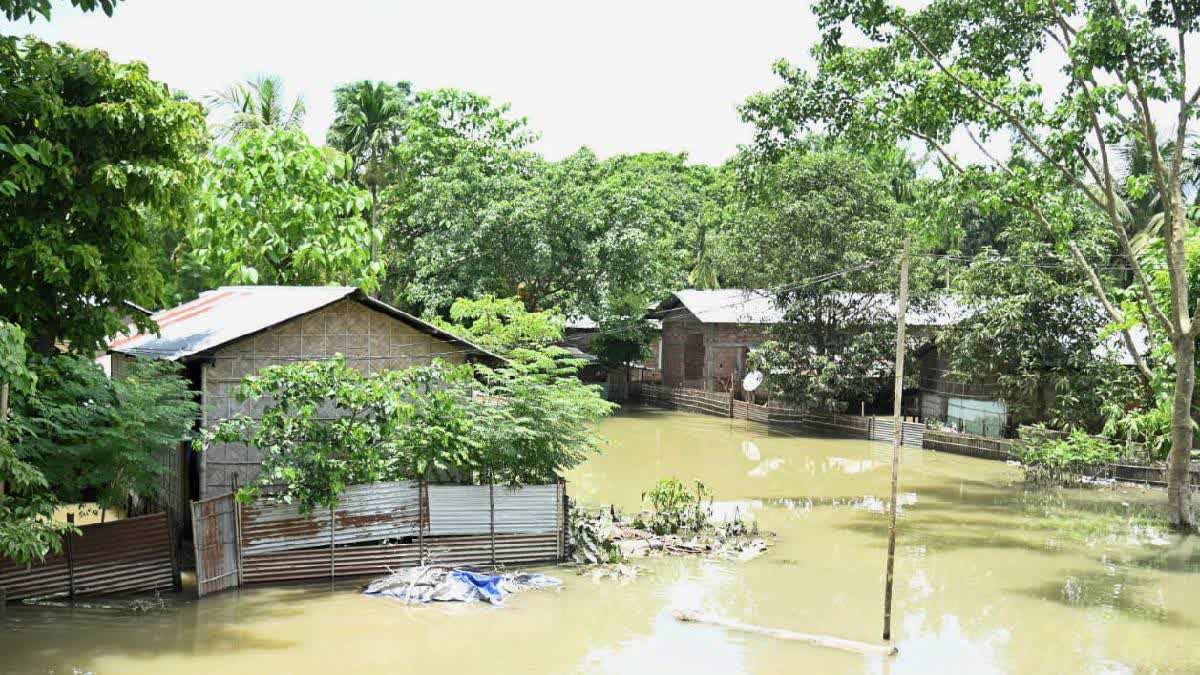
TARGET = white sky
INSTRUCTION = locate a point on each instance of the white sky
(619, 76)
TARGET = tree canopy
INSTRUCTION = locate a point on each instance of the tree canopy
(92, 155)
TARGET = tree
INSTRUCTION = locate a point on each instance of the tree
(259, 103)
(1034, 333)
(327, 426)
(27, 530)
(275, 209)
(92, 154)
(801, 222)
(368, 124)
(967, 68)
(460, 153)
(101, 439)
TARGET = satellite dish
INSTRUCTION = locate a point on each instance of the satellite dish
(752, 380)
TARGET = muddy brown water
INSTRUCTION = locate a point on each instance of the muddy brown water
(992, 577)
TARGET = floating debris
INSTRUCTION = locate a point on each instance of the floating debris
(810, 638)
(602, 538)
(615, 572)
(432, 583)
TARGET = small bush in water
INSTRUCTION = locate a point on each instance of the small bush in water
(1065, 461)
(673, 507)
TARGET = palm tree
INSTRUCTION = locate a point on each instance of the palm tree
(1143, 215)
(258, 103)
(368, 122)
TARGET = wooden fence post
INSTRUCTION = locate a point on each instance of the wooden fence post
(70, 559)
(237, 528)
(332, 557)
(422, 503)
(492, 515)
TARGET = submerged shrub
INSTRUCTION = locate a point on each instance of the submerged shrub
(675, 508)
(1066, 461)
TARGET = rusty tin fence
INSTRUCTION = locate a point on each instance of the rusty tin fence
(125, 556)
(377, 527)
(774, 414)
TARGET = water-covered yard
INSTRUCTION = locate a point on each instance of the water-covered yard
(991, 577)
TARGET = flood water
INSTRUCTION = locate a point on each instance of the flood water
(992, 577)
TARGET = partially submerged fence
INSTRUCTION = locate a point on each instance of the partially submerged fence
(382, 526)
(123, 556)
(774, 414)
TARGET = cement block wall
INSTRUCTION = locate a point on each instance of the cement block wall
(370, 340)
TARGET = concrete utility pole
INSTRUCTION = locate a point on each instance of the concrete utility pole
(898, 436)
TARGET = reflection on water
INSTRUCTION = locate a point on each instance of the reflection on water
(991, 578)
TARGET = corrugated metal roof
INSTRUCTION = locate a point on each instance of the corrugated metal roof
(232, 312)
(753, 306)
(731, 305)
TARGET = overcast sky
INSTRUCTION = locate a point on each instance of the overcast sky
(617, 76)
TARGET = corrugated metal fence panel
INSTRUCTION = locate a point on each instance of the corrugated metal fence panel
(459, 509)
(353, 561)
(466, 509)
(529, 509)
(214, 532)
(367, 512)
(123, 556)
(912, 433)
(511, 549)
(47, 579)
(349, 561)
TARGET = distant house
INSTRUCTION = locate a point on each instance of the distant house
(708, 335)
(580, 331)
(234, 331)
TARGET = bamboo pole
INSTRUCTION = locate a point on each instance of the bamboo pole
(810, 638)
(897, 437)
(332, 555)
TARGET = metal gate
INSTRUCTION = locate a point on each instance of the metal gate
(216, 531)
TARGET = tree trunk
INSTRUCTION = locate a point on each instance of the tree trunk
(371, 217)
(1179, 460)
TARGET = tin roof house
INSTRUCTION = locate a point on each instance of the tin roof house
(707, 337)
(234, 331)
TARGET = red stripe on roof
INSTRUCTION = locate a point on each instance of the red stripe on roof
(180, 313)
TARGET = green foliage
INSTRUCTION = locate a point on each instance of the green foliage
(624, 334)
(674, 508)
(539, 423)
(503, 325)
(93, 154)
(1034, 334)
(14, 370)
(15, 10)
(27, 533)
(471, 212)
(327, 425)
(1065, 461)
(806, 214)
(275, 209)
(101, 439)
